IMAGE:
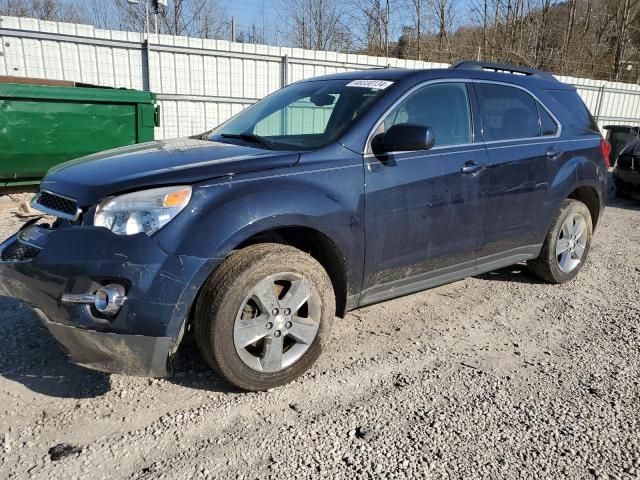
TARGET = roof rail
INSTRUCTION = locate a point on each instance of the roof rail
(503, 68)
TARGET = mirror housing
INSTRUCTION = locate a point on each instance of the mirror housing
(403, 137)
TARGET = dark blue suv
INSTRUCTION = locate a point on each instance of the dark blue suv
(330, 194)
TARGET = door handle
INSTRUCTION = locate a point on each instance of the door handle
(471, 168)
(554, 153)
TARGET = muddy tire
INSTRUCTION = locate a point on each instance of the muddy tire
(566, 246)
(264, 316)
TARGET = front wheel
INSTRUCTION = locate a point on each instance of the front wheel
(567, 244)
(264, 316)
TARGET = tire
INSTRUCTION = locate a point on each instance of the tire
(554, 268)
(233, 305)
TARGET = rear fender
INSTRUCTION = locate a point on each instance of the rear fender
(579, 171)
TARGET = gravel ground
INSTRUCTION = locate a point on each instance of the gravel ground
(496, 376)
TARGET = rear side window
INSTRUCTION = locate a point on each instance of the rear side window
(572, 102)
(507, 112)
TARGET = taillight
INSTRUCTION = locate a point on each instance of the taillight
(606, 152)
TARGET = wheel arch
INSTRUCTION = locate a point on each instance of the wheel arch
(315, 243)
(588, 195)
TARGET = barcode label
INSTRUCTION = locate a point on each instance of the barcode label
(377, 84)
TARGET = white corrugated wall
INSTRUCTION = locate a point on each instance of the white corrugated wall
(200, 83)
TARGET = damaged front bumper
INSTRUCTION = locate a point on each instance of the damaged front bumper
(40, 265)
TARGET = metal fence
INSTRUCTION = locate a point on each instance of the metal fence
(201, 82)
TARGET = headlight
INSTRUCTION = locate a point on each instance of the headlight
(145, 211)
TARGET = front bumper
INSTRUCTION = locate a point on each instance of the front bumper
(160, 288)
(113, 352)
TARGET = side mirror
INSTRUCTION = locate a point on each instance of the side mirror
(403, 137)
(635, 131)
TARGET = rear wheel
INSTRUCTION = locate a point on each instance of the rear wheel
(567, 244)
(264, 316)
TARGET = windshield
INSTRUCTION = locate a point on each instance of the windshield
(302, 116)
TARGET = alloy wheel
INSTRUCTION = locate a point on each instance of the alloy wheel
(571, 242)
(277, 322)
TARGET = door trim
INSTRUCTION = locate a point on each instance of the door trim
(435, 278)
(477, 136)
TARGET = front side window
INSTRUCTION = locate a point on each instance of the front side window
(303, 116)
(443, 107)
(507, 113)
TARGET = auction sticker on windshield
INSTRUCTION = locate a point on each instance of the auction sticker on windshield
(377, 84)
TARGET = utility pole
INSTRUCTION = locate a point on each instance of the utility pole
(304, 32)
(386, 32)
(156, 10)
(418, 15)
(233, 29)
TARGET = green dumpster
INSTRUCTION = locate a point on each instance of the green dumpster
(42, 125)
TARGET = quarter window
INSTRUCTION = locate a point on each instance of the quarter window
(507, 113)
(547, 123)
(443, 107)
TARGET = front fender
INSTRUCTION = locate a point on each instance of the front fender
(224, 214)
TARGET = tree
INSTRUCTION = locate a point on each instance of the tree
(316, 24)
(418, 13)
(443, 12)
(626, 14)
(55, 10)
(372, 18)
(569, 31)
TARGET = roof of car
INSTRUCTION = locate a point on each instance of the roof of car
(464, 70)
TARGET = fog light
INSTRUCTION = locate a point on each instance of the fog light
(109, 299)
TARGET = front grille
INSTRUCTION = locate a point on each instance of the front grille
(18, 252)
(56, 205)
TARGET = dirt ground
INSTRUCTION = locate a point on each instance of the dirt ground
(496, 376)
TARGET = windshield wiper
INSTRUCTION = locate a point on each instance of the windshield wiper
(249, 137)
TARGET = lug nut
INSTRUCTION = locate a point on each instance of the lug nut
(276, 333)
(288, 324)
(275, 311)
(287, 311)
(269, 326)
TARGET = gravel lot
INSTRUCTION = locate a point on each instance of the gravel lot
(497, 376)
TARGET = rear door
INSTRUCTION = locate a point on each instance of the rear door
(424, 210)
(521, 137)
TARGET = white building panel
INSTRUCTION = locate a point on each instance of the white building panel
(88, 64)
(210, 76)
(196, 71)
(209, 72)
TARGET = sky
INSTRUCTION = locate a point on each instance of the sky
(248, 12)
(264, 13)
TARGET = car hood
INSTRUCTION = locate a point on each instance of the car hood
(171, 162)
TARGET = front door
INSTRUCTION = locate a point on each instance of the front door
(424, 210)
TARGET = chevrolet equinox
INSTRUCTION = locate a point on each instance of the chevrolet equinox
(327, 195)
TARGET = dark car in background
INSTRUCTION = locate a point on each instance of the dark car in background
(330, 194)
(626, 172)
(619, 136)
